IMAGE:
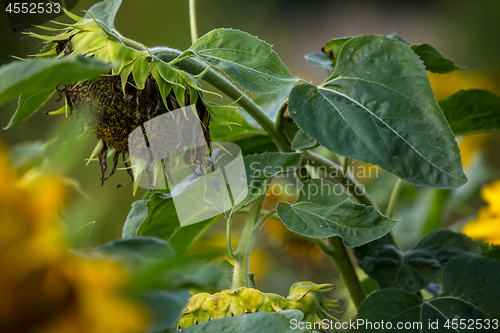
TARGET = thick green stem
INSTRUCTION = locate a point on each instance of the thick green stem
(242, 259)
(336, 250)
(192, 20)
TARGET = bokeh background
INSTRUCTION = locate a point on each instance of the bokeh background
(463, 30)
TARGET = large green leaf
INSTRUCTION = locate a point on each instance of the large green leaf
(471, 290)
(378, 107)
(34, 76)
(323, 210)
(29, 104)
(246, 59)
(472, 111)
(157, 217)
(259, 322)
(433, 59)
(414, 269)
(105, 11)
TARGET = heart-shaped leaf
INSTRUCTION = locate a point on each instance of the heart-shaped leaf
(469, 302)
(414, 269)
(378, 107)
(323, 210)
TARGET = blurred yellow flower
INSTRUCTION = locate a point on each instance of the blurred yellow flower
(486, 227)
(43, 287)
(445, 85)
(470, 145)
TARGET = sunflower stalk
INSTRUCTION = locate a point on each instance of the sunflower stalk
(242, 258)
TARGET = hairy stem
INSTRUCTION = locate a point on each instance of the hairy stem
(242, 259)
(228, 238)
(264, 219)
(337, 251)
(192, 20)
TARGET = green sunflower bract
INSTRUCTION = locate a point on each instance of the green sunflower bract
(303, 296)
(139, 87)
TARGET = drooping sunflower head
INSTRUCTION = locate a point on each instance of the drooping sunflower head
(139, 88)
(303, 296)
